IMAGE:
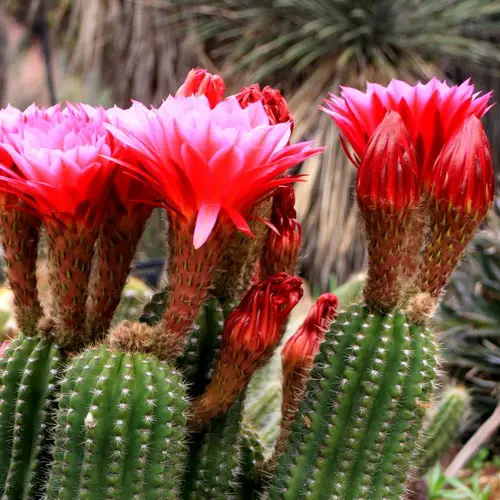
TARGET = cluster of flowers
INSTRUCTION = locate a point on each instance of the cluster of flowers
(93, 175)
(425, 180)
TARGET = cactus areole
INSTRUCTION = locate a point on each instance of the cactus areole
(157, 408)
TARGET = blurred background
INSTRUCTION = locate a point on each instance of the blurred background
(111, 51)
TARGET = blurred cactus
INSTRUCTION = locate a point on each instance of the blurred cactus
(442, 426)
(205, 396)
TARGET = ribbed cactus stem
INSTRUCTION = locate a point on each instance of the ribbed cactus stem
(216, 468)
(19, 232)
(29, 371)
(116, 246)
(120, 428)
(201, 351)
(355, 430)
(442, 426)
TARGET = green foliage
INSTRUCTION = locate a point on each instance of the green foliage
(298, 35)
(451, 488)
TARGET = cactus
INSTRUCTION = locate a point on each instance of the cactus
(201, 350)
(361, 406)
(121, 428)
(214, 468)
(203, 397)
(442, 426)
(29, 371)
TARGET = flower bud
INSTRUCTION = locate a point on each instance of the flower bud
(251, 333)
(200, 82)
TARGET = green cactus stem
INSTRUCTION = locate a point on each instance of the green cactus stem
(154, 309)
(29, 370)
(214, 467)
(120, 429)
(442, 426)
(355, 430)
(201, 350)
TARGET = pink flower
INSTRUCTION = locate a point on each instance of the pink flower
(59, 165)
(431, 112)
(209, 164)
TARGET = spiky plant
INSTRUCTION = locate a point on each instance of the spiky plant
(469, 320)
(308, 49)
(153, 408)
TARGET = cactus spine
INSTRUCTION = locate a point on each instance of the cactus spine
(355, 430)
(214, 470)
(120, 428)
(29, 370)
(442, 426)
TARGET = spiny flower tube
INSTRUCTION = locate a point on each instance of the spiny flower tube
(209, 167)
(298, 356)
(238, 264)
(462, 186)
(60, 173)
(20, 232)
(388, 192)
(282, 248)
(431, 112)
(251, 333)
(119, 235)
(200, 82)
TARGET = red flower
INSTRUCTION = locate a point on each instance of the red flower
(200, 82)
(282, 248)
(274, 103)
(251, 333)
(303, 345)
(388, 174)
(463, 176)
(430, 112)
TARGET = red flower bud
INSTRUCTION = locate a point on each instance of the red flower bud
(251, 333)
(282, 250)
(463, 174)
(388, 175)
(200, 82)
(462, 191)
(303, 345)
(274, 103)
(255, 325)
(298, 356)
(388, 190)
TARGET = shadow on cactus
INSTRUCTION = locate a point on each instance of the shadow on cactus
(157, 408)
